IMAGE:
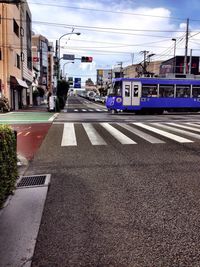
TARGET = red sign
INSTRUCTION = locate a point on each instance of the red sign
(35, 59)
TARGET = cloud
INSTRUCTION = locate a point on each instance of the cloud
(107, 46)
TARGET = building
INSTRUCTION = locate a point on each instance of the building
(26, 55)
(40, 50)
(136, 70)
(15, 54)
(104, 79)
(175, 66)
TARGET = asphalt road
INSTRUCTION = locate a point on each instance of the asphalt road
(120, 204)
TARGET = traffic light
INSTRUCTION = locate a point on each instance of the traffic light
(86, 59)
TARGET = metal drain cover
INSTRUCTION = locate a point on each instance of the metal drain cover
(33, 181)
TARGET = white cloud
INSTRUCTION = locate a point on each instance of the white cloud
(108, 45)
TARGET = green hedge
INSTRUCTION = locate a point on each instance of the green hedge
(8, 162)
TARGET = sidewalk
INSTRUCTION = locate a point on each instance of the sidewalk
(21, 216)
(39, 108)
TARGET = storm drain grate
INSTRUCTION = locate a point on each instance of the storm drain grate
(34, 181)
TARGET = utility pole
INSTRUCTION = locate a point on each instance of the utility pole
(145, 63)
(186, 47)
(144, 66)
(190, 63)
(132, 57)
(121, 73)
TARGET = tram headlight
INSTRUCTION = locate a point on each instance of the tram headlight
(118, 100)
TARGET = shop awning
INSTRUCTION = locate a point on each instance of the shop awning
(18, 82)
(22, 83)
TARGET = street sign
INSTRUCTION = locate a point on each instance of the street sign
(68, 57)
(77, 82)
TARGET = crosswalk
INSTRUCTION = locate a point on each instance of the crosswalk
(125, 134)
(85, 110)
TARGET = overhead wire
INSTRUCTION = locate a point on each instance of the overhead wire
(105, 11)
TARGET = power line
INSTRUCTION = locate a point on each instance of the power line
(107, 11)
(100, 29)
(95, 27)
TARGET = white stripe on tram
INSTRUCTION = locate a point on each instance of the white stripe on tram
(197, 136)
(163, 133)
(151, 139)
(69, 137)
(93, 135)
(122, 138)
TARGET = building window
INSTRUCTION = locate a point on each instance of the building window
(15, 27)
(0, 54)
(18, 61)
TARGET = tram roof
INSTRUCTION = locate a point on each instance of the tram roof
(183, 81)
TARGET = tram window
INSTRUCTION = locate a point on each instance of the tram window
(127, 90)
(195, 91)
(136, 90)
(182, 90)
(149, 90)
(166, 90)
(116, 90)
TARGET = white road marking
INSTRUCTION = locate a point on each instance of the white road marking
(69, 137)
(163, 133)
(178, 130)
(19, 133)
(122, 138)
(84, 110)
(53, 117)
(141, 134)
(184, 126)
(26, 133)
(193, 124)
(76, 110)
(93, 135)
(91, 110)
(97, 109)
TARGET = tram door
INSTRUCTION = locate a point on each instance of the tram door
(136, 93)
(126, 93)
(131, 93)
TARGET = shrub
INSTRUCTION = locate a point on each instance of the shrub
(8, 162)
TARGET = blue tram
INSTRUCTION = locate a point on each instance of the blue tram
(153, 95)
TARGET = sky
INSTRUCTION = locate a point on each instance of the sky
(116, 31)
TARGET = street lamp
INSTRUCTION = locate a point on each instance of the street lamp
(174, 61)
(64, 67)
(69, 33)
(77, 33)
